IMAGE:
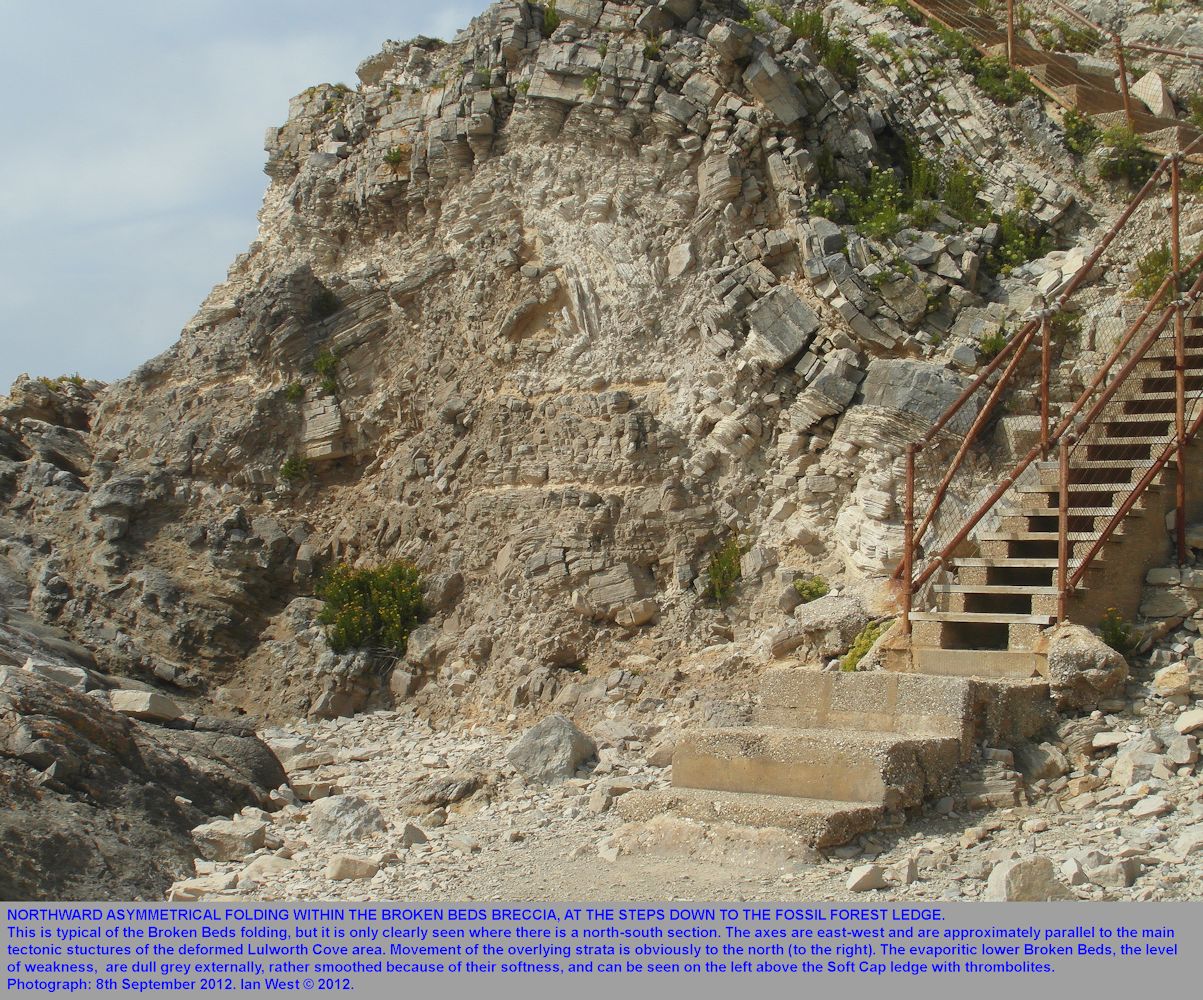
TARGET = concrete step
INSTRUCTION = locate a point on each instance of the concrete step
(820, 822)
(885, 769)
(982, 617)
(984, 663)
(878, 701)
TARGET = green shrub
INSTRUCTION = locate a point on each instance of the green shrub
(294, 392)
(992, 74)
(1074, 39)
(590, 84)
(1081, 133)
(723, 573)
(324, 304)
(294, 468)
(1117, 633)
(1125, 158)
(651, 50)
(1021, 238)
(961, 187)
(1154, 267)
(397, 156)
(810, 588)
(551, 19)
(862, 644)
(370, 608)
(326, 365)
(1194, 109)
(992, 344)
(880, 42)
(76, 380)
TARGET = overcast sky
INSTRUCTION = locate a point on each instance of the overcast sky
(132, 164)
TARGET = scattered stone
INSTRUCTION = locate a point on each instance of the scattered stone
(343, 867)
(866, 877)
(147, 705)
(229, 840)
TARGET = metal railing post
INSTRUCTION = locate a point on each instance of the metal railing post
(908, 548)
(1046, 334)
(1179, 356)
(1123, 79)
(1011, 32)
(1062, 527)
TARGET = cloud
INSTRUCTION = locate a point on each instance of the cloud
(133, 167)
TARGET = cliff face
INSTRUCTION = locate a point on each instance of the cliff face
(551, 311)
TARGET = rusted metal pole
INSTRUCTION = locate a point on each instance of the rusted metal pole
(1046, 342)
(1123, 80)
(1179, 355)
(908, 548)
(1010, 32)
(1063, 529)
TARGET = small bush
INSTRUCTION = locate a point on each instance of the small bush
(1081, 133)
(651, 50)
(811, 588)
(961, 187)
(590, 84)
(397, 157)
(294, 469)
(1021, 239)
(862, 644)
(551, 19)
(324, 304)
(992, 75)
(76, 380)
(294, 392)
(1126, 158)
(723, 573)
(1116, 632)
(880, 42)
(370, 608)
(326, 365)
(991, 344)
(1153, 268)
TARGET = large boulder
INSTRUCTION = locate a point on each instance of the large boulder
(98, 805)
(918, 388)
(1082, 669)
(551, 751)
(344, 818)
(821, 629)
(1025, 880)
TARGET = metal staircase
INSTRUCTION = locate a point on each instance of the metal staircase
(1069, 531)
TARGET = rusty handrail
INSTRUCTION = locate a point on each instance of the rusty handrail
(1009, 480)
(1122, 511)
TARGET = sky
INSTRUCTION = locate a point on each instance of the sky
(131, 170)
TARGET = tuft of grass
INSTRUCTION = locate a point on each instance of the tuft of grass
(723, 573)
(370, 608)
(294, 392)
(1153, 268)
(862, 644)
